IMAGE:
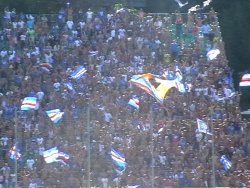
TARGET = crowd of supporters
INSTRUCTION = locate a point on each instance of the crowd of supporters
(37, 56)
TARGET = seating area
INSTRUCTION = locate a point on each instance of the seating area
(162, 143)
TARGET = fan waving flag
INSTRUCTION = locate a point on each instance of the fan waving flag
(14, 154)
(51, 155)
(134, 103)
(142, 81)
(159, 93)
(55, 115)
(118, 159)
(227, 164)
(202, 127)
(29, 103)
(78, 73)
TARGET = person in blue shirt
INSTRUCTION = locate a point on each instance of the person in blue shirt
(174, 48)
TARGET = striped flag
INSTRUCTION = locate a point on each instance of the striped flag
(159, 93)
(63, 158)
(46, 67)
(29, 103)
(227, 164)
(142, 81)
(118, 159)
(55, 115)
(51, 155)
(245, 80)
(14, 154)
(78, 73)
(202, 127)
(93, 53)
(134, 103)
(228, 97)
(70, 86)
(160, 130)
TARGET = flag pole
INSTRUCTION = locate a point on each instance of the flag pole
(16, 122)
(88, 144)
(213, 150)
(152, 147)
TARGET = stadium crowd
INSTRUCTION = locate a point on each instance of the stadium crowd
(161, 143)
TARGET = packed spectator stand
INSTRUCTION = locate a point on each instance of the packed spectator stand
(161, 142)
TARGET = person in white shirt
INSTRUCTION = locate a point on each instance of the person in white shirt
(14, 25)
(21, 24)
(227, 91)
(7, 14)
(81, 24)
(198, 135)
(33, 185)
(70, 24)
(39, 140)
(77, 42)
(122, 32)
(4, 141)
(107, 117)
(30, 163)
(104, 182)
(112, 33)
(3, 53)
(162, 159)
(89, 15)
(6, 172)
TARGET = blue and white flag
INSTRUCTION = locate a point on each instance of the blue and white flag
(29, 103)
(227, 164)
(14, 153)
(69, 86)
(78, 73)
(63, 158)
(51, 155)
(202, 127)
(134, 103)
(55, 115)
(93, 53)
(118, 159)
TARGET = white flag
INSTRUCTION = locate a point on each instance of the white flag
(212, 54)
(202, 127)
